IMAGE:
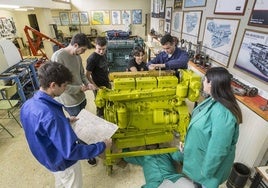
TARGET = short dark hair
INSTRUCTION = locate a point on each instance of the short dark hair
(53, 72)
(81, 39)
(167, 38)
(101, 41)
(137, 50)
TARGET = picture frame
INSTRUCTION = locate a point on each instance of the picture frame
(230, 7)
(116, 17)
(75, 20)
(162, 6)
(64, 18)
(168, 14)
(126, 17)
(83, 16)
(191, 25)
(137, 16)
(259, 14)
(161, 26)
(155, 7)
(194, 3)
(167, 27)
(100, 17)
(177, 22)
(177, 4)
(218, 39)
(251, 57)
(56, 20)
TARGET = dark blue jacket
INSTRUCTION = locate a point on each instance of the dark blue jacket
(178, 60)
(50, 136)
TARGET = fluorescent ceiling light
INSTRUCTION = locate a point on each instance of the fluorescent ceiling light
(9, 6)
(21, 9)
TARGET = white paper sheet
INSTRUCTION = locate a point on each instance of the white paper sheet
(91, 128)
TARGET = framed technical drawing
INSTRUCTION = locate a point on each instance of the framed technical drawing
(56, 20)
(161, 26)
(168, 13)
(155, 8)
(116, 17)
(64, 18)
(83, 18)
(219, 35)
(177, 22)
(194, 3)
(230, 7)
(100, 17)
(191, 25)
(259, 14)
(162, 5)
(126, 19)
(178, 4)
(252, 56)
(167, 27)
(136, 16)
(75, 18)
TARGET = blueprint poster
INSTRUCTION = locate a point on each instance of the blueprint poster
(219, 37)
(191, 23)
(194, 3)
(253, 53)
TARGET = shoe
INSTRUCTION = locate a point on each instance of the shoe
(92, 162)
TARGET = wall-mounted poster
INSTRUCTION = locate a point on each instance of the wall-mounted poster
(259, 14)
(253, 55)
(126, 19)
(168, 13)
(191, 25)
(167, 27)
(162, 5)
(178, 4)
(230, 7)
(218, 39)
(194, 3)
(75, 18)
(64, 18)
(116, 17)
(137, 16)
(83, 18)
(155, 7)
(100, 17)
(7, 27)
(56, 20)
(177, 22)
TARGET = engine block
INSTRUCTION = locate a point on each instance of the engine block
(148, 109)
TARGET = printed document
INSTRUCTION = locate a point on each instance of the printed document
(91, 128)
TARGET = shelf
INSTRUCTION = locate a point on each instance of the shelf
(252, 103)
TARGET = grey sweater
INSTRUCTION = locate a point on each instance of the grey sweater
(73, 95)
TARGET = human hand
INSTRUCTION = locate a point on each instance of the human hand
(84, 87)
(108, 143)
(73, 119)
(152, 67)
(92, 87)
(181, 146)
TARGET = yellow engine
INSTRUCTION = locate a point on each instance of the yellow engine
(149, 108)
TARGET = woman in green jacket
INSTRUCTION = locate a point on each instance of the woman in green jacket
(212, 134)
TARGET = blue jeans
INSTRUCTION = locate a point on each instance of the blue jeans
(74, 111)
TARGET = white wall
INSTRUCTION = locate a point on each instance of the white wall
(208, 11)
(88, 6)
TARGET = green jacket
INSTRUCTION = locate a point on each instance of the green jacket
(157, 168)
(210, 144)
